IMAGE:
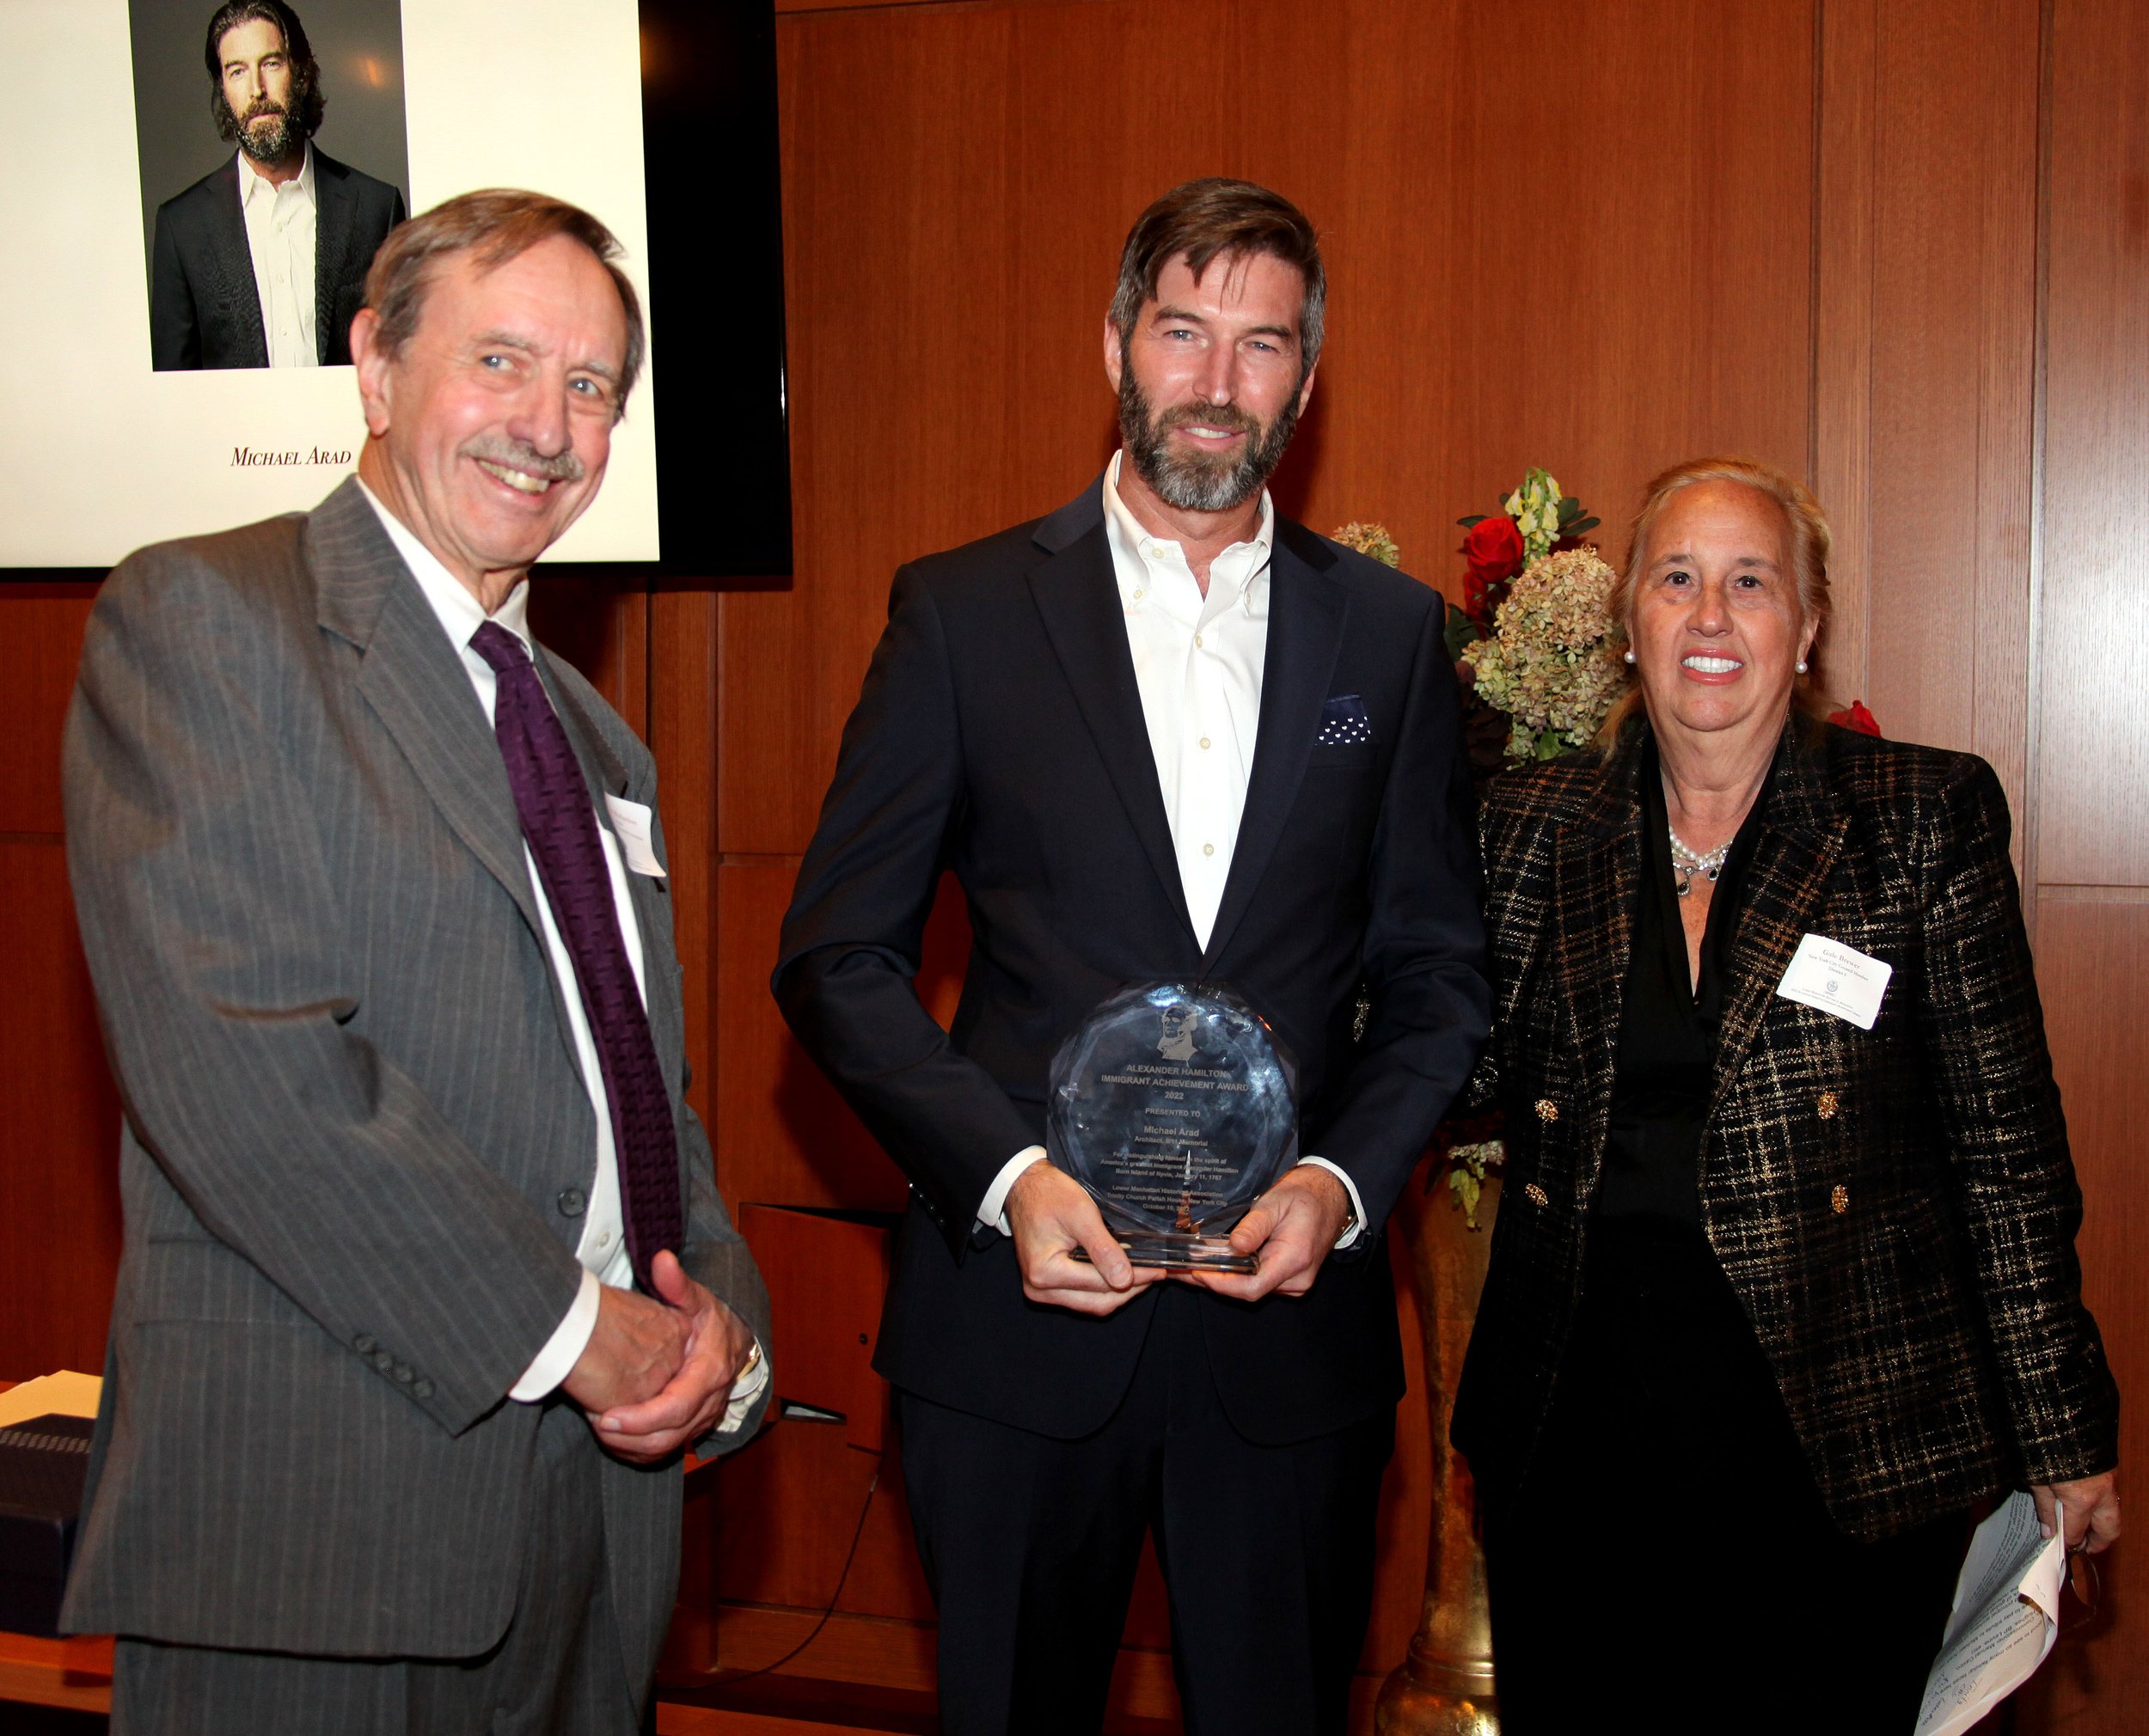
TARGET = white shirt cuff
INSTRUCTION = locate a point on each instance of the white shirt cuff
(1358, 1205)
(555, 1362)
(992, 1210)
(745, 1389)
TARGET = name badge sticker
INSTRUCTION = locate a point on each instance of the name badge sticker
(1836, 978)
(631, 821)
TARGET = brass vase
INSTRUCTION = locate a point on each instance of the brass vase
(1444, 1686)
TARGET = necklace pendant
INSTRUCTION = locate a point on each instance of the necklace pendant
(1686, 881)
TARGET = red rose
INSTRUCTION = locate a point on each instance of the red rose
(1493, 547)
(1858, 717)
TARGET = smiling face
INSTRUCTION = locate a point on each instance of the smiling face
(256, 71)
(1210, 380)
(491, 429)
(1717, 630)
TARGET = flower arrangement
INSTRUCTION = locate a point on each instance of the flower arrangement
(1535, 625)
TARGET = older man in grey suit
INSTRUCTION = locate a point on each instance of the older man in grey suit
(426, 1282)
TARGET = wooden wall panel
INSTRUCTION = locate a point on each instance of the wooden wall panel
(2093, 749)
(43, 643)
(59, 1116)
(2092, 964)
(1602, 284)
(60, 1126)
(1926, 360)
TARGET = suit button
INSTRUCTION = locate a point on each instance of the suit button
(1825, 1106)
(1839, 1199)
(1547, 1110)
(383, 1362)
(421, 1388)
(1535, 1195)
(574, 1203)
(364, 1344)
(405, 1374)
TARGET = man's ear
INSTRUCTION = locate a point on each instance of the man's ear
(373, 370)
(1306, 388)
(1114, 362)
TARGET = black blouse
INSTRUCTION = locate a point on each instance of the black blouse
(1668, 1024)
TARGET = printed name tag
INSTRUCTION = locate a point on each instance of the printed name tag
(1837, 979)
(631, 821)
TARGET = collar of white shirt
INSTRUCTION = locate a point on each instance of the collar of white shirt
(461, 615)
(254, 184)
(1239, 575)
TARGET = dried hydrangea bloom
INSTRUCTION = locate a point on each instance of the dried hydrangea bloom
(1552, 663)
(1370, 539)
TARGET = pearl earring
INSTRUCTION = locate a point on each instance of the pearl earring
(1629, 657)
(1802, 666)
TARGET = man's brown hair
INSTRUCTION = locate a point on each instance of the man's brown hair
(495, 225)
(1217, 217)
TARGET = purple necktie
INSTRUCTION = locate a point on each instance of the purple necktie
(559, 824)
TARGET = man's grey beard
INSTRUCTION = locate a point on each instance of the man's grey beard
(1193, 481)
(272, 145)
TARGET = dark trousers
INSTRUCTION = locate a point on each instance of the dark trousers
(1030, 1545)
(557, 1671)
(1668, 1559)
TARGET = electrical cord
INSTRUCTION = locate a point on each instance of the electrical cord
(836, 1598)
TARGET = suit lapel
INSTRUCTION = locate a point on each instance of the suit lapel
(416, 685)
(1801, 836)
(1596, 866)
(1078, 598)
(1307, 610)
(234, 261)
(332, 230)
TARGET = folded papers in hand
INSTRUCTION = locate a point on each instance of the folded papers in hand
(2006, 1616)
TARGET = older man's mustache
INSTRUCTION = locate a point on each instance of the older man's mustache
(524, 460)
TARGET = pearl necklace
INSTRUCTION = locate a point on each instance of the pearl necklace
(1686, 862)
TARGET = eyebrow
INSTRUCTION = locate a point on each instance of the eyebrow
(1683, 555)
(1194, 319)
(508, 340)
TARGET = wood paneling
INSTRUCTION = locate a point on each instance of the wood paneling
(2092, 966)
(43, 643)
(1925, 345)
(2093, 748)
(59, 1127)
(1599, 281)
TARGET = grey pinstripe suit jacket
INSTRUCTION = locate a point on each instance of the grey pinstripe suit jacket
(354, 1123)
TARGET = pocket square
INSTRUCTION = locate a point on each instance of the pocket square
(1343, 723)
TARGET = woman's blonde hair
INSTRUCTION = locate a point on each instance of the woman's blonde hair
(1808, 528)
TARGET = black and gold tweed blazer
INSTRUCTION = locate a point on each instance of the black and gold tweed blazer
(1896, 1208)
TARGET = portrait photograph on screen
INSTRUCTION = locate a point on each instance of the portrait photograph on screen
(274, 159)
(193, 269)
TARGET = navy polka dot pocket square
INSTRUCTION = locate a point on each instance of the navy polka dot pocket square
(1343, 723)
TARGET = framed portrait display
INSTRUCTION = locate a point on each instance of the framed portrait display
(196, 191)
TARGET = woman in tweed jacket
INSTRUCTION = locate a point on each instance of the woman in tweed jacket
(1775, 1298)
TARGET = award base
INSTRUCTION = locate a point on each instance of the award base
(1177, 1252)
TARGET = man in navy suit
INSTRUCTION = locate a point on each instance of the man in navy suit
(1163, 733)
(261, 263)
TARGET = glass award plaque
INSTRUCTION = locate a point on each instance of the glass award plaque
(1175, 1107)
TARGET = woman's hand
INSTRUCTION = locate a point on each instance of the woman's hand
(2090, 1505)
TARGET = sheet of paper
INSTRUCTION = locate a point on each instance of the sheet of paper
(2005, 1617)
(64, 1394)
(1838, 979)
(631, 822)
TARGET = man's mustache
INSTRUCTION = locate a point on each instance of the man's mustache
(260, 106)
(1210, 416)
(564, 467)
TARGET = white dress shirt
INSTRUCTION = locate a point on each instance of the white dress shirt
(280, 234)
(603, 1248)
(1198, 663)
